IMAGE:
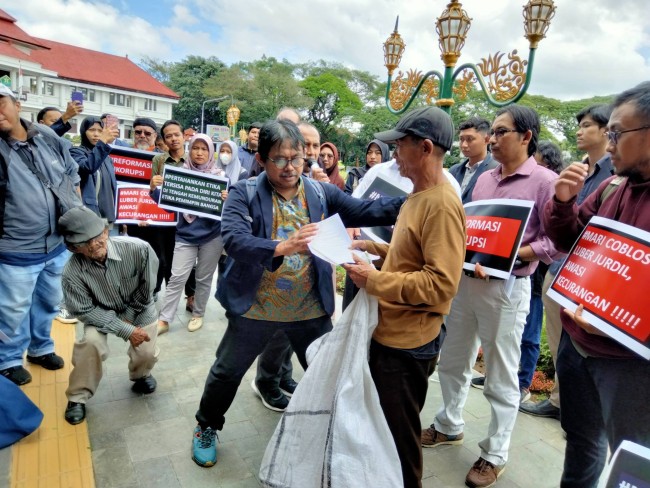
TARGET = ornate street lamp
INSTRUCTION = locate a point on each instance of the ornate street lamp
(232, 116)
(502, 82)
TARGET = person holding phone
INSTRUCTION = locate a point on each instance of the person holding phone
(98, 184)
(57, 121)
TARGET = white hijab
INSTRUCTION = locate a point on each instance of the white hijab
(233, 169)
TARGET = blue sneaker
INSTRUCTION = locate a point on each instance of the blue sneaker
(204, 447)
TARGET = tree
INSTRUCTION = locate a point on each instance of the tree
(259, 88)
(157, 68)
(332, 100)
(187, 79)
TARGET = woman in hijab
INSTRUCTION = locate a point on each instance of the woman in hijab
(96, 169)
(376, 152)
(198, 240)
(330, 157)
(229, 165)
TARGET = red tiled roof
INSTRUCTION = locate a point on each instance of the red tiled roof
(10, 31)
(85, 65)
(8, 50)
(79, 64)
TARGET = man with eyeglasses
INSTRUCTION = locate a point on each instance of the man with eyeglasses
(108, 283)
(591, 138)
(488, 314)
(144, 134)
(604, 385)
(271, 281)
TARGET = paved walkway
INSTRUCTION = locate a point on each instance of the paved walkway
(144, 441)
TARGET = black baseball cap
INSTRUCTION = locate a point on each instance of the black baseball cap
(430, 123)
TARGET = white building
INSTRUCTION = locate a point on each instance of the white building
(44, 73)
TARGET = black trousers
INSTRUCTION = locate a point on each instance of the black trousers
(274, 364)
(402, 383)
(244, 340)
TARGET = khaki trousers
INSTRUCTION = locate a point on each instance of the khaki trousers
(90, 352)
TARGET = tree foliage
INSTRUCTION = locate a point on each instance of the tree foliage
(346, 105)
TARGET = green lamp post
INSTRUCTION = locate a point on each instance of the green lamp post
(502, 81)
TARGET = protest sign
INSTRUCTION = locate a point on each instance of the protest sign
(131, 165)
(133, 204)
(191, 192)
(607, 272)
(380, 188)
(494, 232)
(629, 467)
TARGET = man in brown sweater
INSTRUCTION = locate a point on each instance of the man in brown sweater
(418, 279)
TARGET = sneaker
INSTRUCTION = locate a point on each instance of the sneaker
(163, 327)
(48, 361)
(195, 324)
(541, 409)
(478, 382)
(275, 401)
(189, 304)
(483, 474)
(524, 395)
(204, 447)
(17, 374)
(430, 437)
(66, 317)
(146, 385)
(288, 387)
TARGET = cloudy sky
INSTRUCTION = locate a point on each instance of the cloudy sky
(595, 47)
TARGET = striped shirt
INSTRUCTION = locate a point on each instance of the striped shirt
(115, 296)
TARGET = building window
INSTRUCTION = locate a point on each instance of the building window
(119, 99)
(47, 88)
(150, 104)
(89, 95)
(128, 131)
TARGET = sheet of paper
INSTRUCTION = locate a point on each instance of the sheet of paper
(332, 243)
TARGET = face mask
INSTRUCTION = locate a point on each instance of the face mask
(225, 158)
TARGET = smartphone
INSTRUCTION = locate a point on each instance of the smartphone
(77, 97)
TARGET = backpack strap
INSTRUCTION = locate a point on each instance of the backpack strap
(251, 187)
(610, 189)
(318, 188)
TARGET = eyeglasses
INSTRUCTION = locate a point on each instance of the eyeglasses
(614, 135)
(281, 163)
(499, 133)
(140, 132)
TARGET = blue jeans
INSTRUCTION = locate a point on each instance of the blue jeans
(29, 301)
(244, 340)
(530, 342)
(604, 401)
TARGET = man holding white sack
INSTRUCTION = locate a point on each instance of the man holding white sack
(418, 279)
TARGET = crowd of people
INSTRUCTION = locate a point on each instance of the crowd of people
(62, 252)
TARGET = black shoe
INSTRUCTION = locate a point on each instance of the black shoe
(542, 409)
(75, 413)
(17, 374)
(48, 361)
(288, 387)
(273, 400)
(145, 385)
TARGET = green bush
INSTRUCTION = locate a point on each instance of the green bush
(545, 361)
